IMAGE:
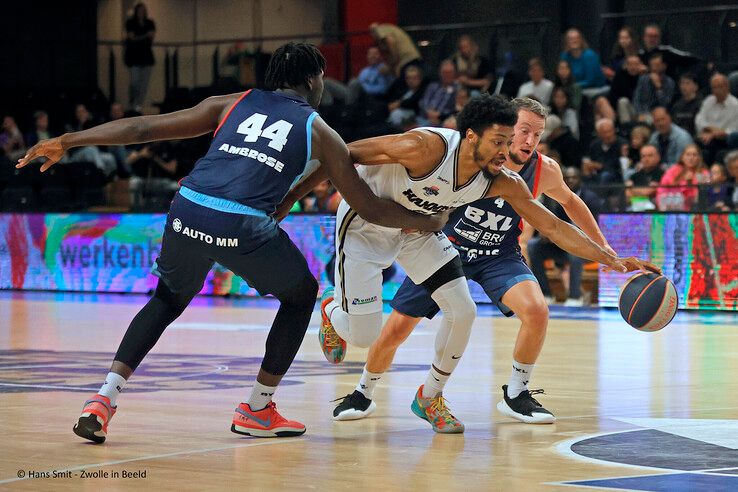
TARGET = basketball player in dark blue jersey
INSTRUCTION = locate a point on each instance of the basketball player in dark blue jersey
(263, 143)
(486, 234)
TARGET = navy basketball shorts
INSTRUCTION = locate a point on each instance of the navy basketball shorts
(495, 275)
(251, 246)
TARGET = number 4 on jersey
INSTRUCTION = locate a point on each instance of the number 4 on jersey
(253, 128)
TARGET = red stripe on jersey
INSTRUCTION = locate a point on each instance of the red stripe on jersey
(538, 175)
(229, 111)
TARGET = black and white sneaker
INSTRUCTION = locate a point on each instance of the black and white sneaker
(525, 408)
(353, 407)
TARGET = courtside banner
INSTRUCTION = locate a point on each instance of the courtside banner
(698, 252)
(115, 252)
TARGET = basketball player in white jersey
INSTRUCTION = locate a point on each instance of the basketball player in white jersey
(430, 170)
(493, 260)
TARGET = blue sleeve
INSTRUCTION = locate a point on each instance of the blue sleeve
(592, 69)
(372, 81)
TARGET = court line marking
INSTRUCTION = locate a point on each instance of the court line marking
(664, 471)
(157, 456)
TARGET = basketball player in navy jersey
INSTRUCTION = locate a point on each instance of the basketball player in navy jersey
(429, 169)
(486, 234)
(263, 143)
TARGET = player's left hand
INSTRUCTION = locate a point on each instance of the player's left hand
(631, 264)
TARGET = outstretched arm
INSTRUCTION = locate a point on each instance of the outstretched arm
(411, 150)
(339, 167)
(187, 123)
(512, 188)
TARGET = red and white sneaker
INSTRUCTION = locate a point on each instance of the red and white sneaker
(93, 423)
(266, 422)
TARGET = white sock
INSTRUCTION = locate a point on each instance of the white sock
(368, 382)
(434, 383)
(261, 395)
(112, 387)
(519, 378)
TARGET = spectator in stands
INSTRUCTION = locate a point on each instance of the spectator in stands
(40, 129)
(324, 199)
(462, 97)
(11, 139)
(474, 70)
(731, 164)
(375, 78)
(565, 79)
(639, 136)
(439, 99)
(677, 61)
(119, 152)
(686, 108)
(116, 111)
(719, 191)
(623, 87)
(560, 139)
(561, 107)
(539, 87)
(718, 116)
(602, 165)
(679, 190)
(654, 88)
(154, 168)
(585, 63)
(625, 46)
(104, 161)
(403, 112)
(642, 184)
(398, 51)
(139, 57)
(670, 138)
(540, 248)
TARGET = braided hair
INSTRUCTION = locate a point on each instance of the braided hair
(292, 64)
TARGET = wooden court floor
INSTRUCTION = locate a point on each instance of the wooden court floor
(635, 411)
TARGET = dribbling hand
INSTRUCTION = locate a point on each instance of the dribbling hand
(631, 264)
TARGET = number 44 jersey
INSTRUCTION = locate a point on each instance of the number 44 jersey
(259, 150)
(489, 228)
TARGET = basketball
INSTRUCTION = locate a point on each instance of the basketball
(648, 301)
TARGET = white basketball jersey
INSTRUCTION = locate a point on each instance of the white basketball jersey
(436, 191)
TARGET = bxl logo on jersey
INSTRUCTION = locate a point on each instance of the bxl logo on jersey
(488, 220)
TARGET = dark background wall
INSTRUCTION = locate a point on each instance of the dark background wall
(48, 44)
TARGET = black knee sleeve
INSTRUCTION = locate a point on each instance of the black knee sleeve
(290, 323)
(448, 272)
(148, 325)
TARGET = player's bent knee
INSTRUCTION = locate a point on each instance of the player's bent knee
(364, 328)
(535, 311)
(301, 293)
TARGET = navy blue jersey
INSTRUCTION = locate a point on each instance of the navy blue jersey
(490, 227)
(260, 149)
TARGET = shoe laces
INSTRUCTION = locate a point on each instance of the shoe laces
(530, 394)
(439, 406)
(331, 338)
(273, 408)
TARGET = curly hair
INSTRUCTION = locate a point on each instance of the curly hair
(484, 111)
(292, 64)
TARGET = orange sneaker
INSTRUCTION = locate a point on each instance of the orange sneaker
(93, 423)
(334, 347)
(266, 422)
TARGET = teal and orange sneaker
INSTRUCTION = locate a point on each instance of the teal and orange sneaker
(334, 347)
(93, 423)
(435, 411)
(266, 422)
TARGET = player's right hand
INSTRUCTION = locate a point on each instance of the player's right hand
(437, 222)
(631, 264)
(52, 149)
